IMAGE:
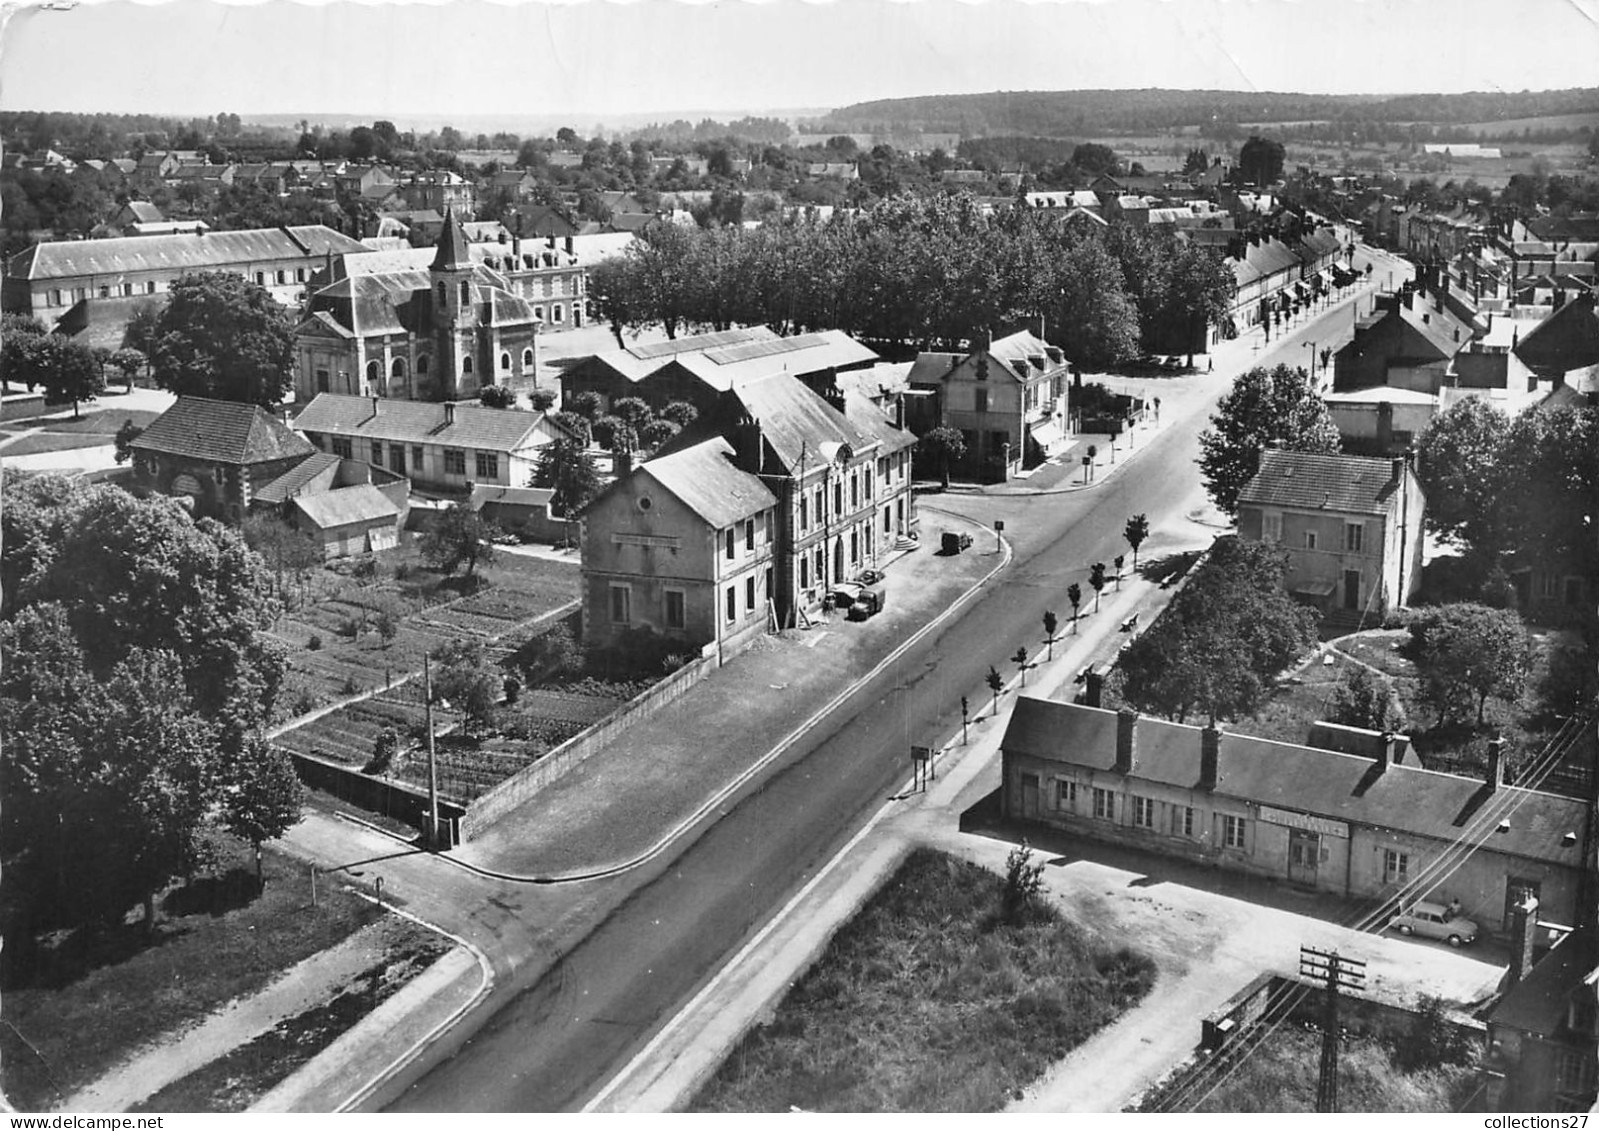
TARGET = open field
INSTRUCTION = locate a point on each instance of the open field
(1511, 126)
(928, 1000)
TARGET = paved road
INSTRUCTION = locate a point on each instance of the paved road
(552, 1045)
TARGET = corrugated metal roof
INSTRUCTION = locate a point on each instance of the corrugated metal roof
(221, 431)
(1324, 783)
(67, 259)
(811, 353)
(1338, 483)
(375, 418)
(346, 506)
(705, 480)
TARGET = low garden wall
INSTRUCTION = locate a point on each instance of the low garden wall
(1359, 1015)
(376, 795)
(22, 406)
(522, 785)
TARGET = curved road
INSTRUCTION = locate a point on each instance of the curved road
(550, 1047)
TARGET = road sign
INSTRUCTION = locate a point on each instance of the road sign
(999, 525)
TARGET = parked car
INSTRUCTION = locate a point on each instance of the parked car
(868, 602)
(1434, 921)
(954, 543)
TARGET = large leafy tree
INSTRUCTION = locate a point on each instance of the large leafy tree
(946, 447)
(468, 680)
(462, 536)
(566, 468)
(1467, 653)
(1265, 406)
(1222, 641)
(262, 796)
(1458, 466)
(68, 370)
(142, 574)
(225, 337)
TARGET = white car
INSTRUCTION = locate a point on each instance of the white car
(1434, 921)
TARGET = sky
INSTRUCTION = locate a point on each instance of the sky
(590, 59)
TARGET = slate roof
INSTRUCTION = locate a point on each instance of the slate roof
(931, 366)
(870, 419)
(423, 422)
(291, 481)
(704, 479)
(1539, 1002)
(1341, 787)
(796, 423)
(1338, 483)
(65, 259)
(452, 252)
(346, 506)
(221, 432)
(1568, 339)
(485, 493)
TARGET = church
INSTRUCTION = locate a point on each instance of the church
(440, 334)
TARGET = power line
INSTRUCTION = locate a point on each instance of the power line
(1491, 816)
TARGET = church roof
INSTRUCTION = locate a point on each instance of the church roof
(454, 253)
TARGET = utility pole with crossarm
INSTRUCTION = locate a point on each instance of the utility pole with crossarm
(1335, 973)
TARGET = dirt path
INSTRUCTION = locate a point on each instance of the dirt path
(174, 1055)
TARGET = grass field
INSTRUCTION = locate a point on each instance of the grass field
(926, 1001)
(98, 995)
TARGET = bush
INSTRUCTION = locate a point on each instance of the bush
(314, 644)
(1024, 884)
(513, 688)
(1433, 1040)
(350, 686)
(402, 571)
(384, 747)
(549, 655)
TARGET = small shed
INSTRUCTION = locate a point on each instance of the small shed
(349, 520)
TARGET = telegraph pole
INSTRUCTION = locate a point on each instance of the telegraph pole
(1335, 974)
(433, 765)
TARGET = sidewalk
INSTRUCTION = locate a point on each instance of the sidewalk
(668, 1071)
(1208, 934)
(625, 801)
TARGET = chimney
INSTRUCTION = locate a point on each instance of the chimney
(569, 245)
(449, 412)
(1387, 742)
(375, 401)
(1385, 425)
(899, 411)
(621, 462)
(1209, 757)
(1496, 764)
(1093, 689)
(1523, 935)
(1398, 463)
(1126, 723)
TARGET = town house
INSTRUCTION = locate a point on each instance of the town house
(681, 547)
(1008, 399)
(1351, 527)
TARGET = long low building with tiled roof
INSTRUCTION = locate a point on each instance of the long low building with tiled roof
(49, 279)
(1372, 828)
(445, 447)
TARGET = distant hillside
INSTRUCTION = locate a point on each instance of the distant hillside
(1083, 113)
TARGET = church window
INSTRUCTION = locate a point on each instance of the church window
(466, 292)
(422, 365)
(466, 366)
(527, 359)
(443, 294)
(374, 371)
(398, 368)
(505, 362)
